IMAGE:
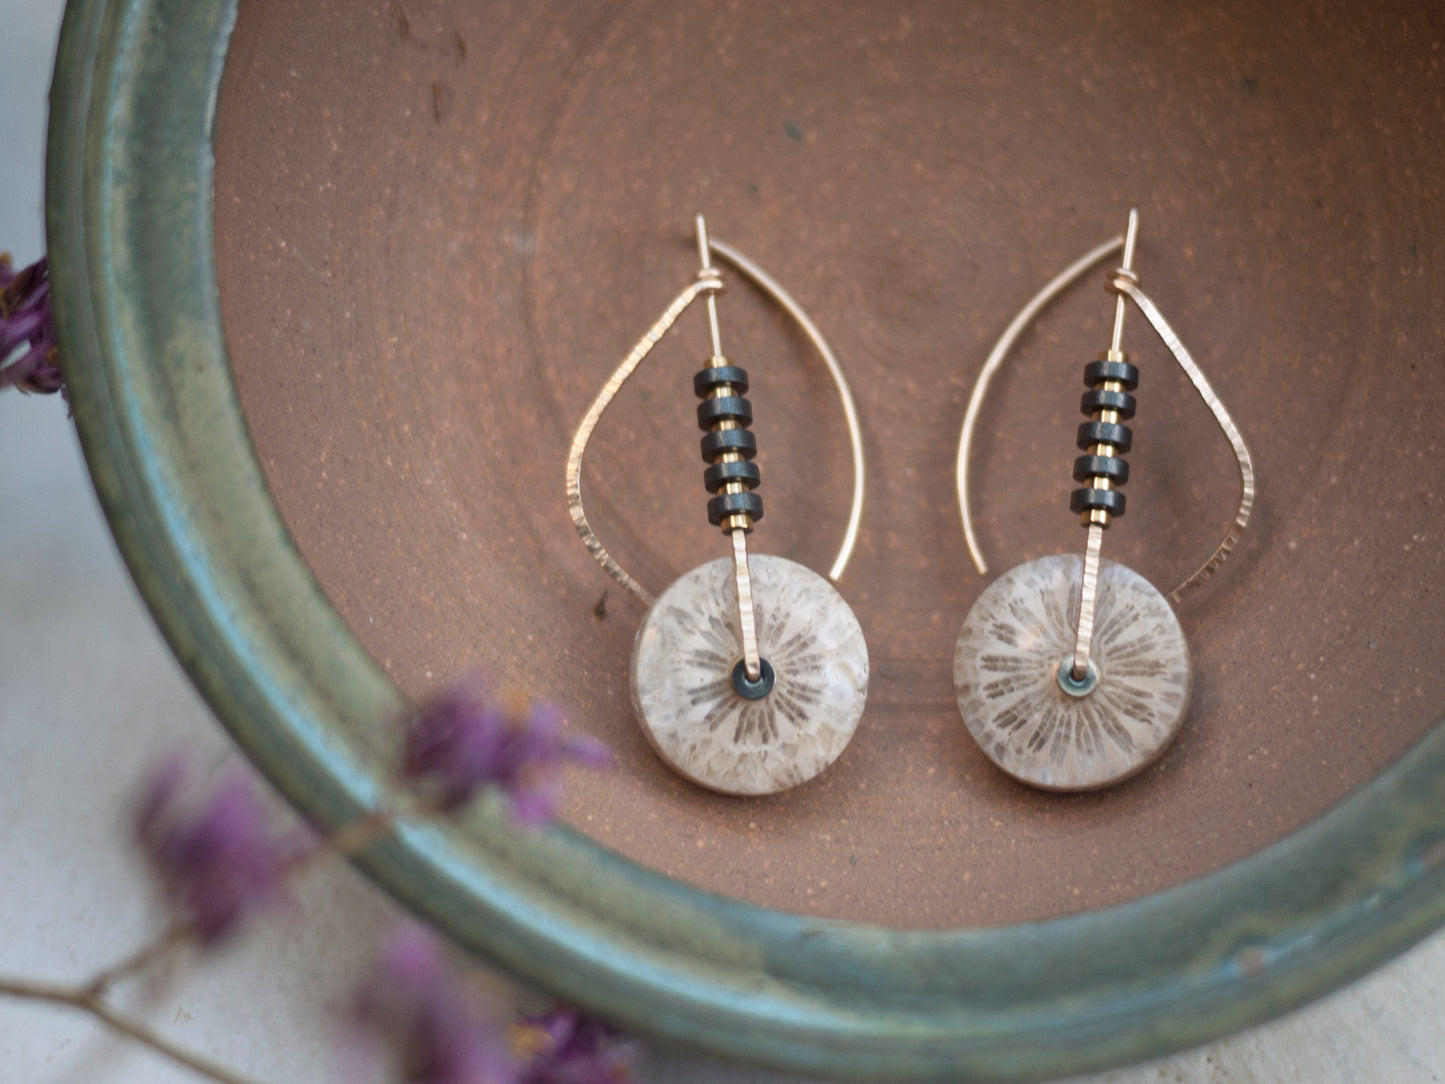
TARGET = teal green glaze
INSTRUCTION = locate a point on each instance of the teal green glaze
(129, 219)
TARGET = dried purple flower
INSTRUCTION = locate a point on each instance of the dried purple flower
(213, 855)
(463, 740)
(566, 1047)
(439, 1032)
(26, 321)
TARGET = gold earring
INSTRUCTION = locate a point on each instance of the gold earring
(748, 673)
(1074, 674)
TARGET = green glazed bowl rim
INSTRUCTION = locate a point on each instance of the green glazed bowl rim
(129, 219)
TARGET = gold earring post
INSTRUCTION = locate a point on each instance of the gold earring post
(784, 300)
(1089, 586)
(737, 526)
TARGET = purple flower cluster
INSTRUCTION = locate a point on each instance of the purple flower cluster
(463, 740)
(213, 854)
(441, 1032)
(26, 322)
(217, 862)
(569, 1048)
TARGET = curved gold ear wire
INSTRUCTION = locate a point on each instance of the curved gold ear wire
(705, 283)
(1128, 284)
(1055, 286)
(748, 675)
(1053, 700)
(709, 282)
(784, 301)
(1125, 283)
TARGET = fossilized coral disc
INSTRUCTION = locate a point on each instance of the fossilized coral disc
(1005, 672)
(682, 687)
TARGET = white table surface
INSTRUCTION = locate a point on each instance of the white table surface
(90, 697)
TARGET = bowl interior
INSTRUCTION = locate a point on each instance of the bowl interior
(439, 226)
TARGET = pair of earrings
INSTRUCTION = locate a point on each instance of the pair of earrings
(749, 673)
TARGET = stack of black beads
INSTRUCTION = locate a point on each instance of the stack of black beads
(727, 446)
(1104, 438)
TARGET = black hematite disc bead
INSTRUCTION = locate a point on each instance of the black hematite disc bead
(1105, 500)
(1113, 467)
(720, 474)
(1096, 372)
(734, 504)
(1091, 433)
(715, 376)
(729, 440)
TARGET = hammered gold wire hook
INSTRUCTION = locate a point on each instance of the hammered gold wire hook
(1124, 283)
(709, 282)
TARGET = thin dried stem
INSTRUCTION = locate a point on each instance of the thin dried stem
(350, 838)
(89, 998)
(83, 999)
(346, 840)
(360, 833)
(173, 936)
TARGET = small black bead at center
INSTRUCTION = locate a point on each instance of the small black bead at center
(752, 690)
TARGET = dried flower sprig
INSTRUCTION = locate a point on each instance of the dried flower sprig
(463, 740)
(434, 1029)
(95, 1005)
(214, 856)
(414, 1013)
(567, 1047)
(218, 864)
(29, 358)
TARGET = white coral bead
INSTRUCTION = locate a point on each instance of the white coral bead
(1005, 672)
(682, 666)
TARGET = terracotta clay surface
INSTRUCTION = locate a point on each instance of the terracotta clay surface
(441, 224)
(1018, 637)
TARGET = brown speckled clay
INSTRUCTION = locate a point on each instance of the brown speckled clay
(440, 226)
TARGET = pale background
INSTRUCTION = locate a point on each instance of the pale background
(90, 697)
